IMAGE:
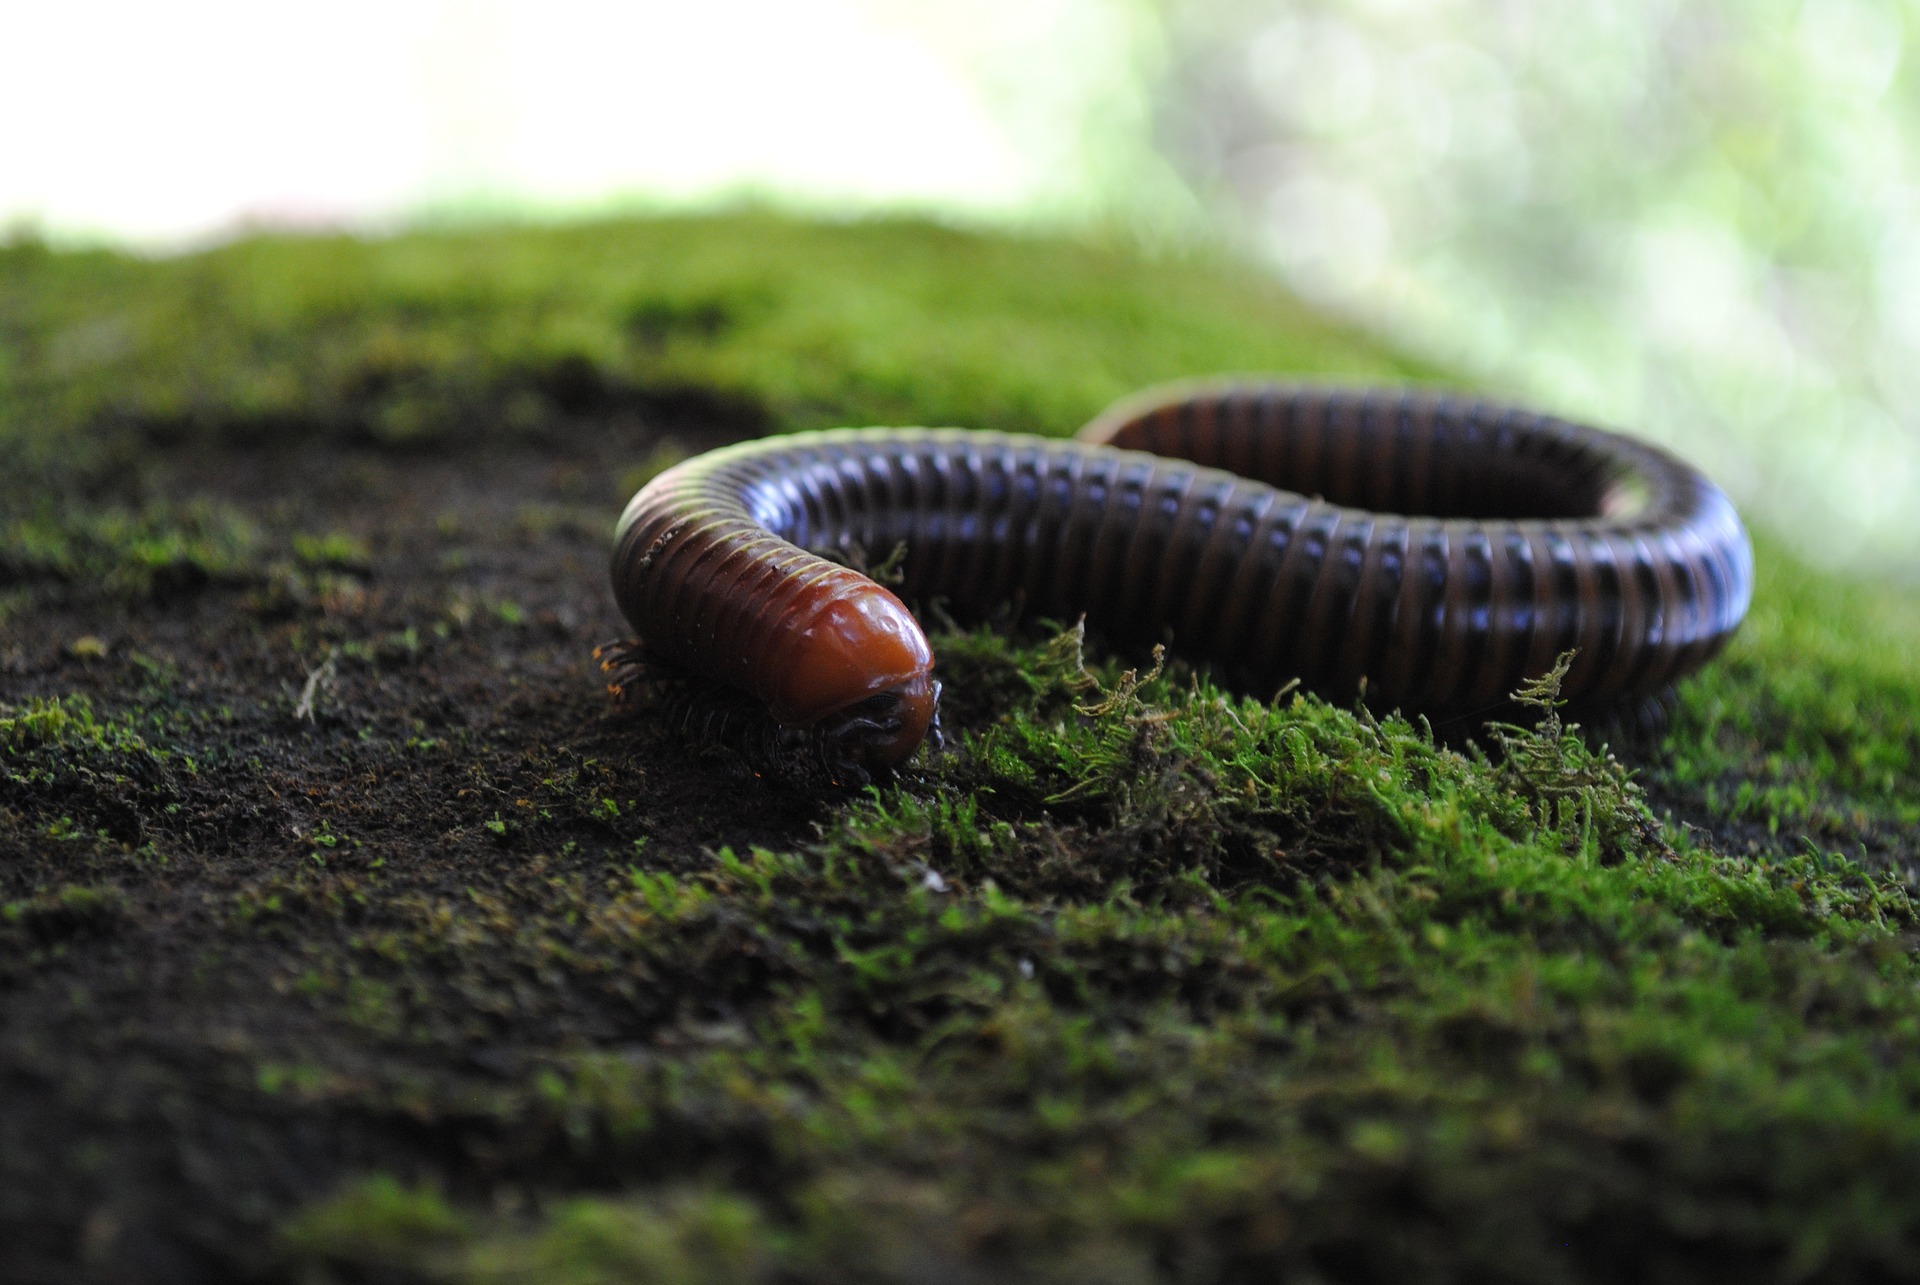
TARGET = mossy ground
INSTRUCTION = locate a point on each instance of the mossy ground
(347, 932)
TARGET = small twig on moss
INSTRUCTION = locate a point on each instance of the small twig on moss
(1569, 784)
(1064, 657)
(324, 675)
(1125, 694)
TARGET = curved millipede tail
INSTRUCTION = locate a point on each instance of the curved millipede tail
(1439, 549)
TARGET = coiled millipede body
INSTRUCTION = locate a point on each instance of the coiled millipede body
(1439, 550)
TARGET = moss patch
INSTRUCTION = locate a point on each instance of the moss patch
(347, 932)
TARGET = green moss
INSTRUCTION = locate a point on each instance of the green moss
(1137, 980)
(679, 1238)
(70, 911)
(379, 1218)
(75, 765)
(156, 551)
(1812, 721)
(336, 550)
(767, 319)
(1361, 998)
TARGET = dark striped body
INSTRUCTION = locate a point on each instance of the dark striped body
(1441, 549)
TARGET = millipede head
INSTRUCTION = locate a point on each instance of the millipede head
(873, 736)
(859, 673)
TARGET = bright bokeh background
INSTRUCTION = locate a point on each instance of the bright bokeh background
(169, 124)
(1700, 218)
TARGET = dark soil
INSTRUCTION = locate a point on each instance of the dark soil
(136, 1139)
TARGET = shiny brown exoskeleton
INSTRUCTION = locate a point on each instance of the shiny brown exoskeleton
(1441, 549)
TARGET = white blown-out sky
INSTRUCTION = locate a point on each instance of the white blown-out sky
(165, 124)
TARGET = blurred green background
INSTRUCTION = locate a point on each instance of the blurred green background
(1699, 219)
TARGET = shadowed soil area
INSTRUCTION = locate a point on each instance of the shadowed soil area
(418, 718)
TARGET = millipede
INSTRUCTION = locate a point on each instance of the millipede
(1428, 550)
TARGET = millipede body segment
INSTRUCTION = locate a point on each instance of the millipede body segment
(1441, 550)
